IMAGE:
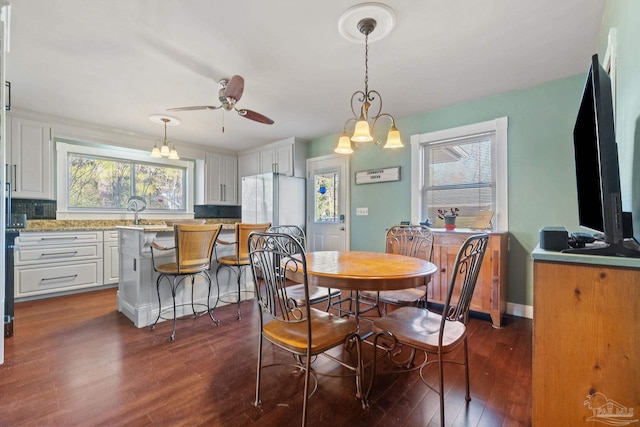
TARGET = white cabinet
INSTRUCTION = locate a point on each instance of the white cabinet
(52, 262)
(111, 258)
(287, 157)
(221, 179)
(29, 159)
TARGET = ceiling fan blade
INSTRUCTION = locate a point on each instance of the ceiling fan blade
(198, 107)
(234, 88)
(252, 115)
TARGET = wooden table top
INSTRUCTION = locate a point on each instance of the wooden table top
(371, 271)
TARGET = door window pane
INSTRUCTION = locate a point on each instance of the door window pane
(326, 197)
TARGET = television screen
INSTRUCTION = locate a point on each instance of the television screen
(596, 162)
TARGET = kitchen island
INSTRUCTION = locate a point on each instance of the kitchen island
(137, 297)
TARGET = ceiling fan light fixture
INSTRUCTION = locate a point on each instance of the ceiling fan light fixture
(362, 20)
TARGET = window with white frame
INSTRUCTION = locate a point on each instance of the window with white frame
(97, 179)
(463, 168)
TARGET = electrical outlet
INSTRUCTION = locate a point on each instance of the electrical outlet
(362, 211)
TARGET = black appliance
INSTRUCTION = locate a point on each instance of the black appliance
(9, 311)
(14, 222)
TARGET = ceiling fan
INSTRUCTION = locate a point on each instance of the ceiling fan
(230, 92)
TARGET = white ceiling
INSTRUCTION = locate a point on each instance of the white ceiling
(115, 62)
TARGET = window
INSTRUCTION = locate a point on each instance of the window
(99, 179)
(326, 197)
(462, 168)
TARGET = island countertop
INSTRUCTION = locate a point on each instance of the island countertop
(90, 225)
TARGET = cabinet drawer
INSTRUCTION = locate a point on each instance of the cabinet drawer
(111, 235)
(70, 238)
(53, 254)
(57, 278)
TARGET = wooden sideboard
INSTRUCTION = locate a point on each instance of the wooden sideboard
(490, 295)
(586, 340)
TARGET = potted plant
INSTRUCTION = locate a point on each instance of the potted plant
(449, 218)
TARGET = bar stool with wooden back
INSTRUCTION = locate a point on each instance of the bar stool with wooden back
(240, 260)
(193, 248)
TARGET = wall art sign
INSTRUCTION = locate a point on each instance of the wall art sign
(378, 175)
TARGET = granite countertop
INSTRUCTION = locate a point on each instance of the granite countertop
(90, 225)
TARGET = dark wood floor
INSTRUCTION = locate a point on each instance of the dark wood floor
(76, 361)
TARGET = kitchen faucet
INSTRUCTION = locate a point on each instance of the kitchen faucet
(136, 204)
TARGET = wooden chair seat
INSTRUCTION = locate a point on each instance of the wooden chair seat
(327, 330)
(316, 294)
(172, 268)
(398, 297)
(233, 260)
(420, 328)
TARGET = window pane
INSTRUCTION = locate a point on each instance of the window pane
(459, 176)
(460, 163)
(160, 186)
(103, 183)
(326, 197)
(98, 183)
(468, 200)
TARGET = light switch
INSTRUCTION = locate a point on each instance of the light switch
(362, 211)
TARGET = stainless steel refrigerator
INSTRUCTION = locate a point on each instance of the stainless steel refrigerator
(274, 198)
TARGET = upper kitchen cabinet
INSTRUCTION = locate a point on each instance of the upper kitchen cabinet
(287, 157)
(221, 179)
(29, 159)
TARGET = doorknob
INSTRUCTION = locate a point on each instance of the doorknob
(341, 228)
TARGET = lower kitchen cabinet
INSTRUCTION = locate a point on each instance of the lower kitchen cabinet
(52, 262)
(111, 258)
(490, 295)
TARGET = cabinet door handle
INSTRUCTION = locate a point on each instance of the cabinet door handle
(72, 253)
(73, 276)
(8, 105)
(59, 238)
(15, 177)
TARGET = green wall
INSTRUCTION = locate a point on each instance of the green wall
(541, 176)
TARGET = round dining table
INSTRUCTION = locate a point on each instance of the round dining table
(364, 271)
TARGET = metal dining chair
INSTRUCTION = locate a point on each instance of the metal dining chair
(301, 330)
(317, 294)
(431, 332)
(239, 261)
(408, 240)
(193, 248)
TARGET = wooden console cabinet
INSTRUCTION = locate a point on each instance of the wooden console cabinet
(586, 340)
(490, 295)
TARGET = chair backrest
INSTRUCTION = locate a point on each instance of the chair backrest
(463, 280)
(292, 230)
(270, 255)
(243, 229)
(194, 244)
(410, 240)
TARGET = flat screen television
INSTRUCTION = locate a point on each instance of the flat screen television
(597, 168)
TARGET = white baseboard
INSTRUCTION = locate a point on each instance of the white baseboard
(520, 310)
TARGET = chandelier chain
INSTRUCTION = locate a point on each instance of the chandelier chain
(366, 66)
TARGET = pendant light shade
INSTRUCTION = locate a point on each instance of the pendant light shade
(344, 145)
(393, 138)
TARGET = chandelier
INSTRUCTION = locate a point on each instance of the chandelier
(164, 150)
(362, 101)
